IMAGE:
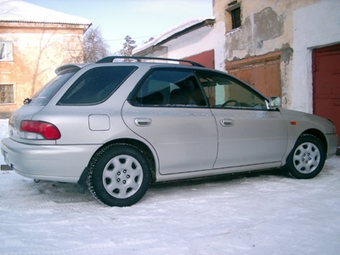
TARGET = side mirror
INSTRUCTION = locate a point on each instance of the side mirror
(275, 102)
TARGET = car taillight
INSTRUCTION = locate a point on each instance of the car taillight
(38, 130)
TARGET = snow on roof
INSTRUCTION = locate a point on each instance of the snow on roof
(176, 31)
(21, 11)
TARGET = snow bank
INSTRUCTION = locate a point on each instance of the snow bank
(265, 213)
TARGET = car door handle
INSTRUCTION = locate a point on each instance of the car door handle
(143, 122)
(227, 122)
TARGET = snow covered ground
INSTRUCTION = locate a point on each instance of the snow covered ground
(265, 213)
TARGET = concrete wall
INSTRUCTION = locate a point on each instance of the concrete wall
(38, 49)
(293, 27)
(315, 26)
(266, 26)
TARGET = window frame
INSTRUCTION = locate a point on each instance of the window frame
(238, 82)
(231, 12)
(236, 18)
(6, 94)
(132, 98)
(6, 51)
(76, 88)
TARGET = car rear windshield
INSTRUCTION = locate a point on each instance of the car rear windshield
(96, 85)
(44, 95)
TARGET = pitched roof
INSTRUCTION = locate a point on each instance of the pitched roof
(21, 11)
(175, 32)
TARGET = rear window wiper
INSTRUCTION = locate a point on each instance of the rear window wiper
(27, 100)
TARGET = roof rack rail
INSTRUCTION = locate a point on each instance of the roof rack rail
(139, 58)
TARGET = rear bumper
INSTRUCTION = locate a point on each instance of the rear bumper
(63, 163)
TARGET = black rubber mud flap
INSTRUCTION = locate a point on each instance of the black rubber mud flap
(6, 168)
(81, 184)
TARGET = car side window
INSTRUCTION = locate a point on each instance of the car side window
(171, 88)
(224, 91)
(96, 85)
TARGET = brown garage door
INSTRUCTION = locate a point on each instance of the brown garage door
(326, 84)
(261, 72)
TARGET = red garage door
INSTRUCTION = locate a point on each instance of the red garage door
(326, 84)
(205, 58)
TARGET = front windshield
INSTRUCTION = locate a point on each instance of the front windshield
(44, 95)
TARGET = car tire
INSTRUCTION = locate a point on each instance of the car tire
(119, 175)
(307, 158)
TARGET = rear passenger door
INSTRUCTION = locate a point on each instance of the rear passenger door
(170, 111)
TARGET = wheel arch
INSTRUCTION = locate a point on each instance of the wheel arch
(308, 156)
(145, 149)
(318, 134)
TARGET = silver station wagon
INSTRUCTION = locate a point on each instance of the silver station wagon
(117, 127)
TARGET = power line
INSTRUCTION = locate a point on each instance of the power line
(141, 37)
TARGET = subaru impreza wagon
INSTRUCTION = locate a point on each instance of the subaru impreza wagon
(117, 127)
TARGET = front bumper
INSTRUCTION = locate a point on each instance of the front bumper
(332, 144)
(64, 163)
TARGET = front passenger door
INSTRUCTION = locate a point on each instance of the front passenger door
(249, 133)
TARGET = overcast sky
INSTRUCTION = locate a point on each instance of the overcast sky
(140, 19)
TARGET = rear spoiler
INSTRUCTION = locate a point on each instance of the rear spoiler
(68, 67)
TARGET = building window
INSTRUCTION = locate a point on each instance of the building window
(233, 15)
(6, 94)
(236, 17)
(6, 51)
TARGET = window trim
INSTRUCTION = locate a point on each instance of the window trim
(67, 93)
(231, 16)
(12, 86)
(235, 20)
(6, 51)
(242, 84)
(132, 96)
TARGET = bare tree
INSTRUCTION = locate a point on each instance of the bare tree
(94, 45)
(150, 39)
(129, 45)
